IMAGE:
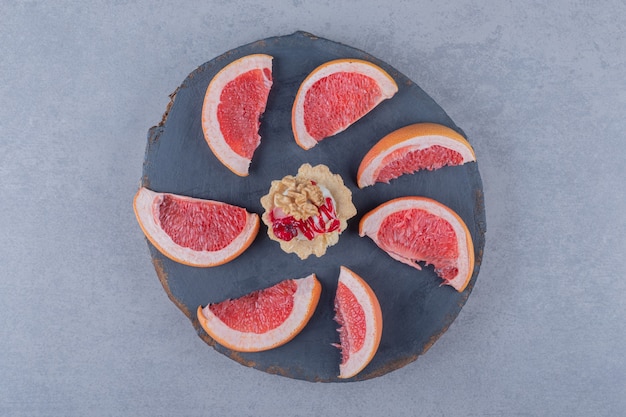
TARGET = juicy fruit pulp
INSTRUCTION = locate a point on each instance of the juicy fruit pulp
(401, 162)
(242, 102)
(358, 313)
(193, 231)
(233, 104)
(288, 227)
(334, 96)
(350, 316)
(201, 227)
(336, 101)
(258, 311)
(263, 319)
(419, 234)
(420, 146)
(418, 229)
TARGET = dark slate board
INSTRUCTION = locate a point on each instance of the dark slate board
(416, 308)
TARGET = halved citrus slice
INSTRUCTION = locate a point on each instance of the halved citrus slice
(419, 229)
(263, 319)
(361, 322)
(193, 231)
(335, 95)
(412, 148)
(233, 104)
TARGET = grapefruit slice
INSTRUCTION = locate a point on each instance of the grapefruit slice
(263, 319)
(335, 95)
(193, 231)
(418, 229)
(233, 104)
(361, 322)
(412, 148)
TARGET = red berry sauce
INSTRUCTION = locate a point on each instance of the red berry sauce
(286, 228)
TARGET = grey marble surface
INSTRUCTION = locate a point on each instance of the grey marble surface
(539, 88)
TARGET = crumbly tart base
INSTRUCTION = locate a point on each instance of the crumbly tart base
(343, 205)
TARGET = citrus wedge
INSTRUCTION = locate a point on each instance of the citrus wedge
(263, 319)
(233, 104)
(192, 231)
(412, 148)
(418, 229)
(358, 313)
(335, 95)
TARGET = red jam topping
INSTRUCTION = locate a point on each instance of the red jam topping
(286, 228)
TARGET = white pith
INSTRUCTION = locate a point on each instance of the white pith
(247, 341)
(210, 124)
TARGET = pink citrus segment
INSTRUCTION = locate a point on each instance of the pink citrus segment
(200, 227)
(358, 313)
(263, 319)
(402, 161)
(335, 95)
(336, 101)
(194, 231)
(416, 233)
(242, 102)
(260, 311)
(351, 319)
(233, 104)
(418, 229)
(413, 148)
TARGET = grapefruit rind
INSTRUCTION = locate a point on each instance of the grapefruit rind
(305, 301)
(357, 361)
(413, 137)
(371, 222)
(210, 124)
(386, 83)
(146, 204)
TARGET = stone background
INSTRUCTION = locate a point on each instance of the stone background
(539, 88)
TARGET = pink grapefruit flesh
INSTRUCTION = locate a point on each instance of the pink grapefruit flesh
(419, 229)
(194, 231)
(233, 104)
(335, 95)
(358, 313)
(263, 319)
(420, 146)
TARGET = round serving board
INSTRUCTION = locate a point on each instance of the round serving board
(416, 308)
